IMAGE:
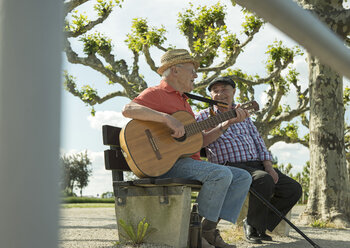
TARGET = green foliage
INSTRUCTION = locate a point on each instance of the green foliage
(108, 194)
(96, 43)
(346, 96)
(141, 35)
(290, 130)
(252, 24)
(322, 224)
(86, 200)
(292, 75)
(279, 54)
(87, 94)
(201, 20)
(229, 43)
(246, 92)
(208, 38)
(286, 169)
(87, 205)
(205, 27)
(78, 23)
(76, 171)
(67, 193)
(303, 178)
(105, 7)
(130, 234)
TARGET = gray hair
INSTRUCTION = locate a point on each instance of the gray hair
(167, 71)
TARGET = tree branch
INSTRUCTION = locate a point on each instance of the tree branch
(93, 62)
(110, 96)
(149, 59)
(342, 18)
(270, 141)
(87, 27)
(69, 6)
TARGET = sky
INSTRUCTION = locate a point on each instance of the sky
(80, 131)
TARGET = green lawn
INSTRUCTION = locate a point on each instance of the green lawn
(87, 205)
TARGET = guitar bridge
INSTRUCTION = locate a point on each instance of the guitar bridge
(153, 144)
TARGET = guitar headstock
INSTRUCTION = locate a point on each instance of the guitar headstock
(250, 106)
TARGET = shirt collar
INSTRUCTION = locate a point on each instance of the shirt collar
(216, 110)
(167, 87)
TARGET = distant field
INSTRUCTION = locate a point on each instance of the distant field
(87, 205)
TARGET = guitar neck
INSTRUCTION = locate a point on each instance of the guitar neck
(211, 122)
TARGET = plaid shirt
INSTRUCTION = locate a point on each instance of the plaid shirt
(240, 143)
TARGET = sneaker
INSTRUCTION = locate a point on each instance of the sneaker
(213, 237)
(250, 233)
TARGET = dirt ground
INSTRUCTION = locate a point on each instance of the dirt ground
(97, 228)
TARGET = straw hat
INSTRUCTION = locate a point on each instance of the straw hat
(174, 57)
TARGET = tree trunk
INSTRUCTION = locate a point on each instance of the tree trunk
(329, 194)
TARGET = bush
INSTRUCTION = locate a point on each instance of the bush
(87, 200)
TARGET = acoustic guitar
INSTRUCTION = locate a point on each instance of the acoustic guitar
(151, 151)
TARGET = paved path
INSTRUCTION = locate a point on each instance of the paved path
(96, 228)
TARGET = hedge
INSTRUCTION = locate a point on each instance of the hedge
(86, 200)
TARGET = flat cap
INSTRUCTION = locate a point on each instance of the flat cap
(224, 80)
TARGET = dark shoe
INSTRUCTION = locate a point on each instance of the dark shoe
(213, 237)
(205, 244)
(250, 233)
(264, 236)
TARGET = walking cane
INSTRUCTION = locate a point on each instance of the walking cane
(268, 204)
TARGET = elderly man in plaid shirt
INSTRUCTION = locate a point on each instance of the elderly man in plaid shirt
(241, 146)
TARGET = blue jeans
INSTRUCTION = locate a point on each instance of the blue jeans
(224, 188)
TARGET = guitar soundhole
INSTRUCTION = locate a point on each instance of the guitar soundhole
(181, 139)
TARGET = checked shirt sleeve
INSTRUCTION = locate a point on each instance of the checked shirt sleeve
(259, 142)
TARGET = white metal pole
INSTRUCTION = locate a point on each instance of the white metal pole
(30, 68)
(305, 29)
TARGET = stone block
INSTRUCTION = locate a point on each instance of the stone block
(167, 210)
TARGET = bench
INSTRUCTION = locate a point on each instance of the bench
(165, 203)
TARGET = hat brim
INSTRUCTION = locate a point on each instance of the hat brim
(164, 67)
(220, 80)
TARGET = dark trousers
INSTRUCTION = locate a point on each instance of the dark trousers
(283, 195)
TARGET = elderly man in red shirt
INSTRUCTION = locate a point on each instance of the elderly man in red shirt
(224, 188)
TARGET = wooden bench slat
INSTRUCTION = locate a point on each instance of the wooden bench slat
(114, 160)
(163, 181)
(110, 135)
(122, 183)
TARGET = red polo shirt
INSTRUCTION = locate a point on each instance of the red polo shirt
(166, 99)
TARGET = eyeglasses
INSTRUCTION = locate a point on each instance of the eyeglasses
(194, 71)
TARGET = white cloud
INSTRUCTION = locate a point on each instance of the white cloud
(263, 99)
(101, 179)
(112, 118)
(295, 154)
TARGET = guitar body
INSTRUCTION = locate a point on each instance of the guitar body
(149, 148)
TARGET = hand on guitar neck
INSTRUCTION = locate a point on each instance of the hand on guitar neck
(241, 115)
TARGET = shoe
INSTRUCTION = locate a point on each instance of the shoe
(250, 233)
(213, 237)
(264, 236)
(205, 244)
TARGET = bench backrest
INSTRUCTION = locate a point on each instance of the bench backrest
(115, 161)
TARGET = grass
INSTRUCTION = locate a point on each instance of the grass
(232, 235)
(86, 200)
(87, 205)
(323, 224)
